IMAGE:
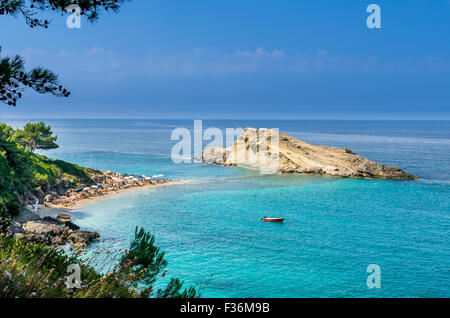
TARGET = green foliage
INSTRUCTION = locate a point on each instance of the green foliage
(21, 169)
(35, 270)
(14, 166)
(36, 136)
(48, 171)
(30, 9)
(143, 264)
(14, 79)
(173, 290)
(144, 257)
(4, 223)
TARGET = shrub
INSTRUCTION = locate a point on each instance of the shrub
(35, 270)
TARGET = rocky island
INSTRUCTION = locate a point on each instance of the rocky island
(295, 156)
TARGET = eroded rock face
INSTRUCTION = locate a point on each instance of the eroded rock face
(50, 197)
(39, 193)
(42, 231)
(13, 228)
(295, 156)
(80, 237)
(50, 231)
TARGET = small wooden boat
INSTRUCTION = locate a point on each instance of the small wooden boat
(266, 219)
(62, 217)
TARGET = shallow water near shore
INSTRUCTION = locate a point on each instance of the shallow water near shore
(211, 230)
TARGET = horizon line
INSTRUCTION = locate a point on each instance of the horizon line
(224, 118)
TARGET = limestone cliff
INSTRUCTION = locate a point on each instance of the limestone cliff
(295, 156)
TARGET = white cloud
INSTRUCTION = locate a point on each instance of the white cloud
(201, 61)
(278, 54)
(95, 50)
(29, 53)
(259, 54)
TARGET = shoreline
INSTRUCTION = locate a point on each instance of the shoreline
(51, 222)
(54, 210)
(105, 195)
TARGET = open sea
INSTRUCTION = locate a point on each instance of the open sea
(334, 228)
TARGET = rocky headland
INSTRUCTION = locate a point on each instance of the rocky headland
(54, 231)
(295, 156)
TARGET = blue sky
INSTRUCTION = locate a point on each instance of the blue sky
(243, 59)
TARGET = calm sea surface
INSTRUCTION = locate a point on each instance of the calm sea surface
(335, 228)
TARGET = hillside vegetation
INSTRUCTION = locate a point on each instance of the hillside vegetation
(33, 269)
(29, 270)
(22, 171)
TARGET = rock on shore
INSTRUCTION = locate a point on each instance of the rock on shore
(296, 156)
(49, 230)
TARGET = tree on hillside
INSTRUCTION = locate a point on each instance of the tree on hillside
(36, 136)
(13, 77)
(13, 162)
(144, 263)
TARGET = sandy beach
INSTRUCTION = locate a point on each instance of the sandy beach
(54, 210)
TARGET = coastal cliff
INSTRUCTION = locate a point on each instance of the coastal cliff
(295, 156)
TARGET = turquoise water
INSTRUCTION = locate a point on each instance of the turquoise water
(335, 228)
